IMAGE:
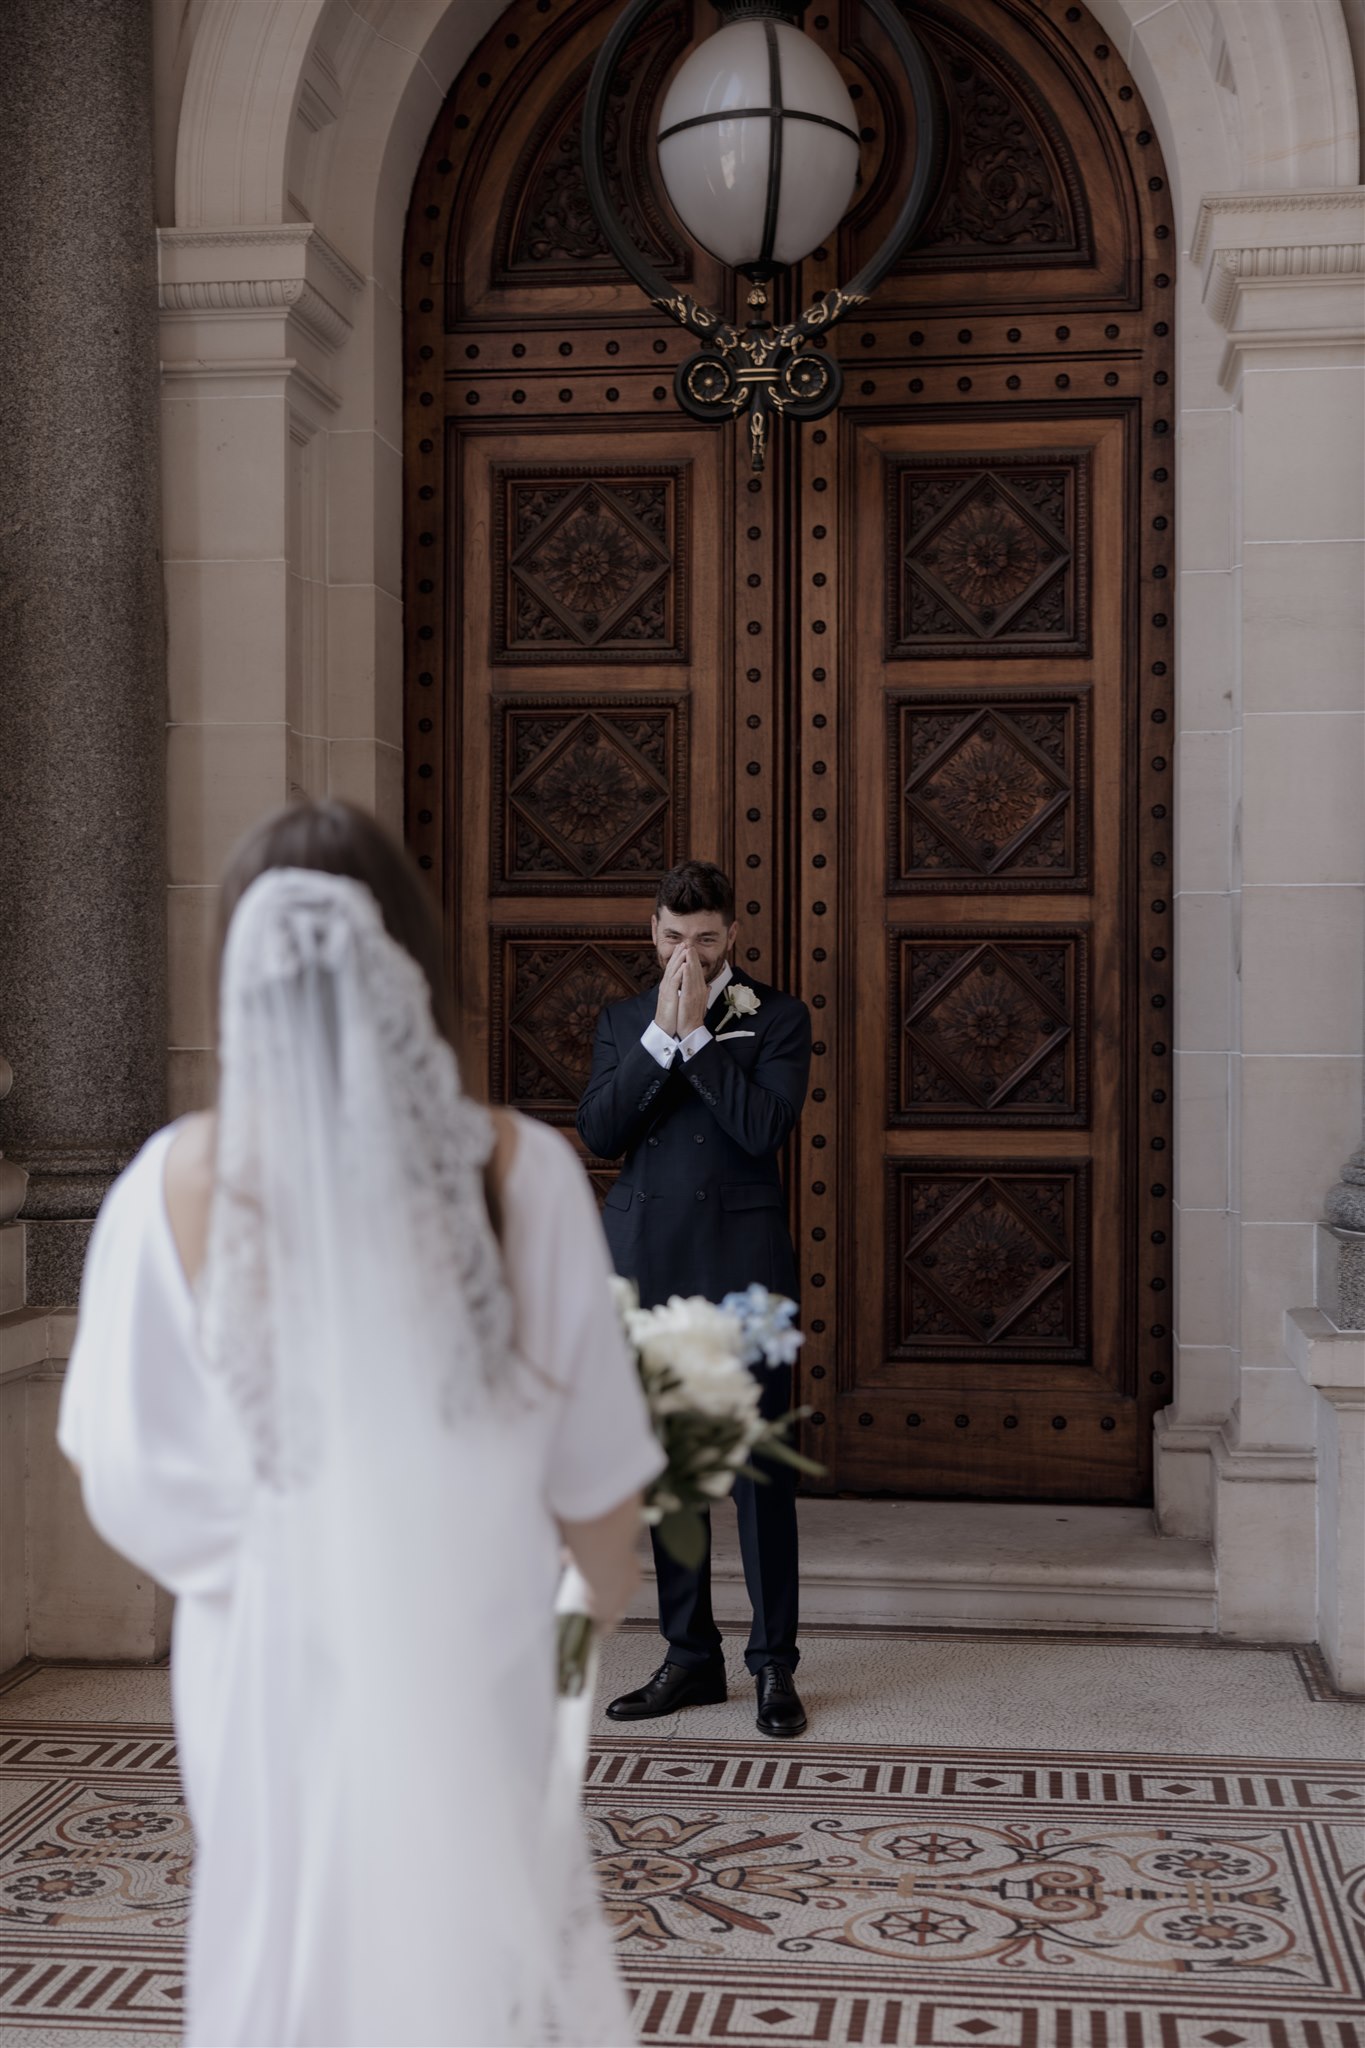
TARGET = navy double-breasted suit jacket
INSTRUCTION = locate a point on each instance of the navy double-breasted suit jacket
(699, 1206)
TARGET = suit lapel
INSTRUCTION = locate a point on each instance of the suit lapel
(716, 1010)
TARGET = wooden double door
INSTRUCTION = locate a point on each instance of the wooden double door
(910, 686)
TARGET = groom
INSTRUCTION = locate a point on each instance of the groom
(699, 1083)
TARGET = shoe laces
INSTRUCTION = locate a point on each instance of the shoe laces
(778, 1679)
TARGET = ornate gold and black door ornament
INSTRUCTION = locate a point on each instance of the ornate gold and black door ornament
(758, 150)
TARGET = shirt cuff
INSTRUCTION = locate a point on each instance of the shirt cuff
(658, 1044)
(694, 1041)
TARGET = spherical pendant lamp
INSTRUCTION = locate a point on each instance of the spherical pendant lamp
(758, 145)
(758, 149)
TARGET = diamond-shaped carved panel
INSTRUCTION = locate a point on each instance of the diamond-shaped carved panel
(988, 1260)
(588, 566)
(989, 1027)
(589, 793)
(988, 554)
(549, 985)
(989, 790)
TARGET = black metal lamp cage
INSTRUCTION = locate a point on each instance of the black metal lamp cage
(764, 370)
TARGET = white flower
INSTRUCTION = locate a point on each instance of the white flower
(741, 1000)
(625, 1297)
(699, 1349)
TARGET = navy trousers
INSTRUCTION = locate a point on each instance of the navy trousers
(768, 1547)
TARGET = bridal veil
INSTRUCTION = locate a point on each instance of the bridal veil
(353, 1308)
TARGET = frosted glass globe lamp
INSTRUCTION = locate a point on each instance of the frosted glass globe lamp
(758, 145)
(758, 150)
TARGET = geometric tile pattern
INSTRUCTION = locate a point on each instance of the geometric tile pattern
(589, 793)
(1007, 1901)
(549, 985)
(95, 1855)
(834, 1893)
(589, 567)
(988, 789)
(989, 555)
(987, 1259)
(988, 1026)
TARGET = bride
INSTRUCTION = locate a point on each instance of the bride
(346, 1377)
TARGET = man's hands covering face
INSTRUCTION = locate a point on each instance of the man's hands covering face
(666, 1009)
(691, 993)
(681, 1005)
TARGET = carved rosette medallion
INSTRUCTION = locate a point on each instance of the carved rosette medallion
(589, 567)
(989, 789)
(990, 1027)
(988, 1260)
(589, 793)
(548, 987)
(988, 555)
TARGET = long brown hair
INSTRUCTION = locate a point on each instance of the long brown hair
(339, 839)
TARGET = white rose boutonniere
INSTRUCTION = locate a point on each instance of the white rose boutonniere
(740, 1001)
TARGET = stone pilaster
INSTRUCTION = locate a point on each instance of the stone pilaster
(1283, 276)
(82, 718)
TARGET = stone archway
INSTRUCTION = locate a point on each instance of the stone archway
(299, 131)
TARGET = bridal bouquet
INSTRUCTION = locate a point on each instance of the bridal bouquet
(694, 1359)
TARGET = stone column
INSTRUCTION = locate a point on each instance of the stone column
(82, 712)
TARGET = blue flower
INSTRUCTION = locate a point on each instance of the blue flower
(766, 1324)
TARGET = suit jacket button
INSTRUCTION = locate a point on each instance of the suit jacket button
(698, 1138)
(701, 1194)
(653, 1141)
(640, 1196)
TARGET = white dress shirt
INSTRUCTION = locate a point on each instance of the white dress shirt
(660, 1046)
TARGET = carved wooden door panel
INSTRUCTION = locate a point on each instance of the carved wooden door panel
(908, 685)
(986, 730)
(590, 728)
(574, 549)
(980, 784)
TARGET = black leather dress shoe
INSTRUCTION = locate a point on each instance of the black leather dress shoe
(672, 1686)
(780, 1711)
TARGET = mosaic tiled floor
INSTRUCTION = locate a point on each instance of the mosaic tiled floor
(838, 1890)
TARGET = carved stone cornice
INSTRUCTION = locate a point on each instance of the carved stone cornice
(1284, 276)
(239, 274)
(317, 316)
(298, 235)
(1219, 211)
(1231, 271)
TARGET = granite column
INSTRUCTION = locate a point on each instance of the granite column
(82, 710)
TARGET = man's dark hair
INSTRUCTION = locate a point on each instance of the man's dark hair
(696, 885)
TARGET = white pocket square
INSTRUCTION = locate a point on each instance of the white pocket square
(721, 1036)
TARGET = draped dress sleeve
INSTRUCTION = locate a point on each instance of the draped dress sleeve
(163, 1466)
(602, 1447)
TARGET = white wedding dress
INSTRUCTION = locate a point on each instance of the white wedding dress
(363, 1653)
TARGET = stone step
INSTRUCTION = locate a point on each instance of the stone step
(945, 1564)
(32, 1337)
